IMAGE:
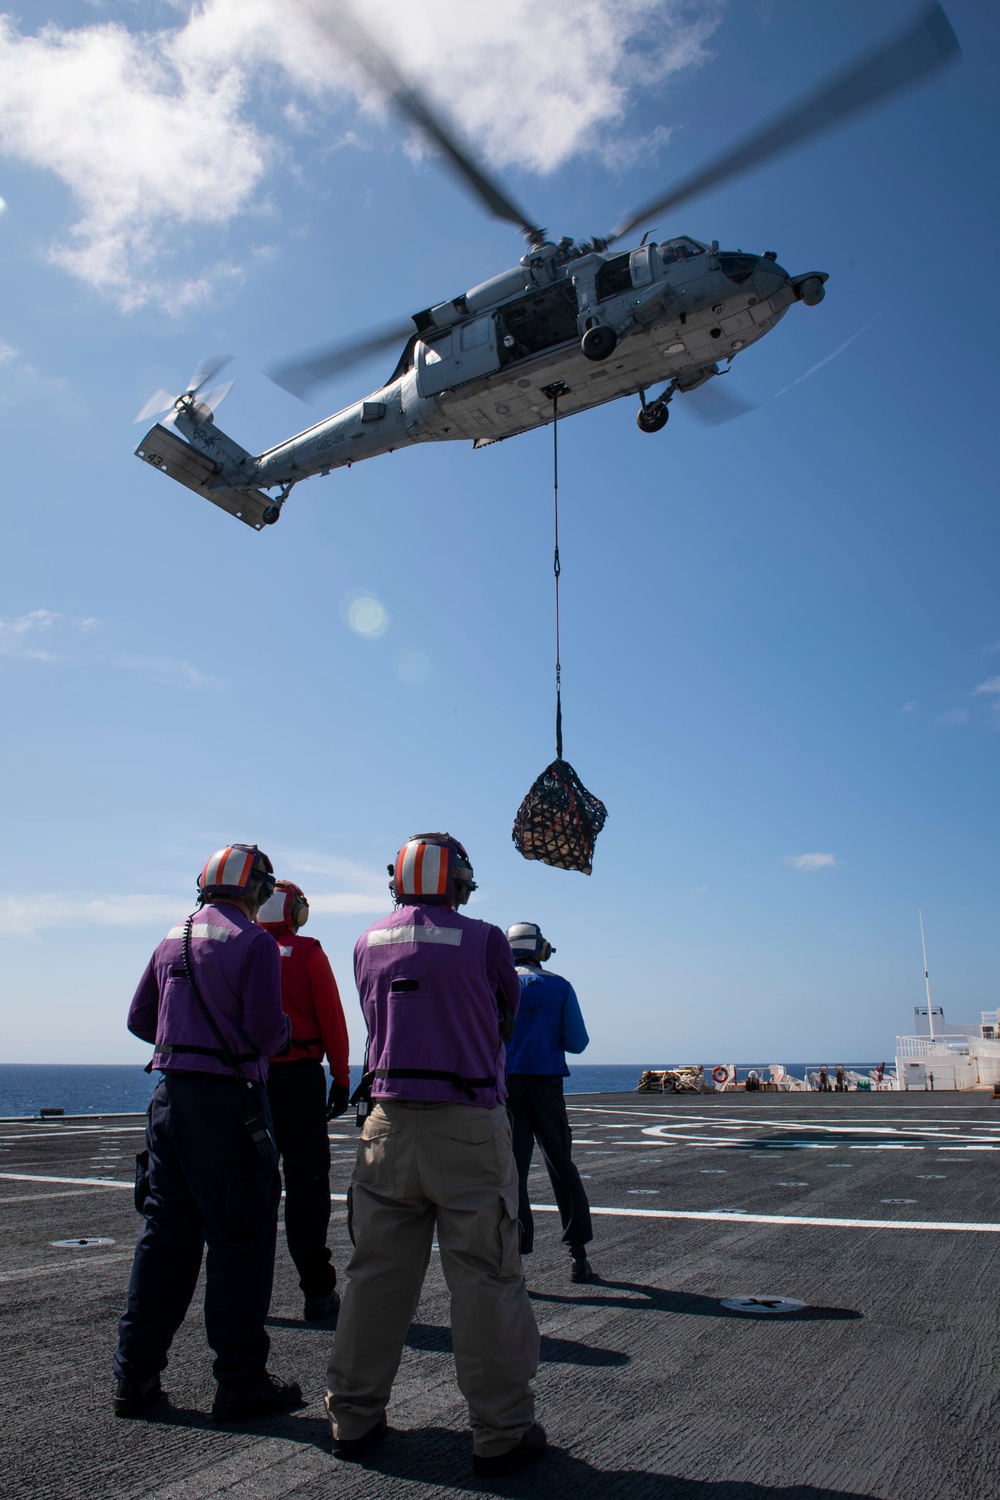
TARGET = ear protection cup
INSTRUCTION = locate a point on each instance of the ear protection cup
(300, 912)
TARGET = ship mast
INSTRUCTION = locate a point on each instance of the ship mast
(927, 977)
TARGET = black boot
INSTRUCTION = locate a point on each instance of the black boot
(133, 1396)
(236, 1403)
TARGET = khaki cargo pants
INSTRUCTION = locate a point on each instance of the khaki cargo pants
(450, 1168)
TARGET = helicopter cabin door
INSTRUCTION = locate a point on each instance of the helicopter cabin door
(641, 265)
(456, 355)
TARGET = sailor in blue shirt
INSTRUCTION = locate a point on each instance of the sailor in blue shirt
(548, 1025)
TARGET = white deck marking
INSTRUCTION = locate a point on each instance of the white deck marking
(74, 1181)
(30, 1272)
(39, 1197)
(781, 1220)
(99, 1182)
(785, 1221)
(42, 1134)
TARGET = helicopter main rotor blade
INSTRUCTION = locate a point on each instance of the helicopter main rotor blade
(300, 375)
(926, 44)
(348, 32)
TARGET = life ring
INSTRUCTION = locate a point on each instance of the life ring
(720, 1074)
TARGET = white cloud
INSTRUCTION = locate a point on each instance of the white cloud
(157, 132)
(912, 707)
(952, 717)
(20, 635)
(991, 685)
(45, 635)
(26, 916)
(170, 670)
(810, 862)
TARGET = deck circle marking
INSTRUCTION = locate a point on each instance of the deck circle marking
(85, 1241)
(763, 1306)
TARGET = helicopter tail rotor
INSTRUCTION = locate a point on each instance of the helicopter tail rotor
(162, 402)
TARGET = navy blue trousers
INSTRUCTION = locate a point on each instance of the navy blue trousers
(537, 1112)
(297, 1095)
(206, 1185)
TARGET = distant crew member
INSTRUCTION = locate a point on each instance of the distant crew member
(296, 1088)
(210, 1001)
(549, 1024)
(439, 994)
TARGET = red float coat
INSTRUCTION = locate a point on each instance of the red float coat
(311, 1001)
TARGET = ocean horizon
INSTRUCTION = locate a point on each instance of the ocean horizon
(124, 1088)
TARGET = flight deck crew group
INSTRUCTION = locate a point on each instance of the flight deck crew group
(444, 1153)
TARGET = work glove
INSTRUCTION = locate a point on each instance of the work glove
(337, 1100)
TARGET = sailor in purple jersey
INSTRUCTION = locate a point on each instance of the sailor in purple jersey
(210, 1002)
(237, 965)
(439, 993)
(435, 987)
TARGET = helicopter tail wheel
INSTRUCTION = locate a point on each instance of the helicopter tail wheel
(271, 514)
(597, 343)
(811, 291)
(653, 417)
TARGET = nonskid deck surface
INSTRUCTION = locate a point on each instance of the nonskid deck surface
(884, 1386)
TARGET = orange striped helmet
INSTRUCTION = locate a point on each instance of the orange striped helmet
(431, 869)
(287, 907)
(240, 870)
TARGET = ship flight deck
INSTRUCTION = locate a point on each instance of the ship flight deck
(879, 1212)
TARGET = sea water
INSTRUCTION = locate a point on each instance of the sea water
(113, 1089)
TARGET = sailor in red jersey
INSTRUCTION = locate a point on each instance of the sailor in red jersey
(297, 1092)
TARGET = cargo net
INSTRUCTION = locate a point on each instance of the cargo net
(559, 820)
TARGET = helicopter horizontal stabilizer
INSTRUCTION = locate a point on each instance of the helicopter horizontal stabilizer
(171, 455)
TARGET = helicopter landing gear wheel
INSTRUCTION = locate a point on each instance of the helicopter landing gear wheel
(653, 417)
(597, 343)
(271, 514)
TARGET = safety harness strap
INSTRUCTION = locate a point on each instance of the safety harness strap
(467, 1085)
(307, 1041)
(223, 1055)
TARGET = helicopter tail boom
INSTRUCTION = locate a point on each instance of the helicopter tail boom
(171, 455)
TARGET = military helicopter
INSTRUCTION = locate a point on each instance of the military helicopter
(570, 327)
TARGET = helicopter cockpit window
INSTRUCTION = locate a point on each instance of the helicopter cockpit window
(737, 267)
(683, 249)
(438, 349)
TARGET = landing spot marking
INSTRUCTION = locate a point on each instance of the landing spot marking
(763, 1305)
(84, 1242)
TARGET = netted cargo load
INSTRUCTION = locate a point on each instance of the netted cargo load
(559, 820)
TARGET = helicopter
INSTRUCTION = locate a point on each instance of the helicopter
(570, 327)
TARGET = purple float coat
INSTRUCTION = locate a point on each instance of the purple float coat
(431, 984)
(238, 968)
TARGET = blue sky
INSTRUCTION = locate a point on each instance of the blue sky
(781, 637)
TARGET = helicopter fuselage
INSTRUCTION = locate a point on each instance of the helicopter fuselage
(675, 310)
(490, 364)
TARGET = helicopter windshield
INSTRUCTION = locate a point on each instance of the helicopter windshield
(682, 249)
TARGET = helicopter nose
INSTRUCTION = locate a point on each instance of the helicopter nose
(768, 277)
